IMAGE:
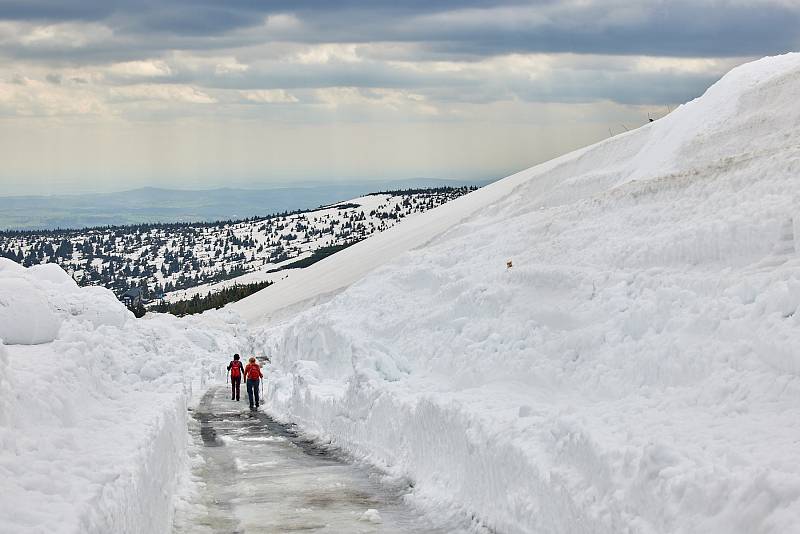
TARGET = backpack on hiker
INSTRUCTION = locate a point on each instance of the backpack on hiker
(253, 371)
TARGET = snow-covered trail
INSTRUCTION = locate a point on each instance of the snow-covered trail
(258, 475)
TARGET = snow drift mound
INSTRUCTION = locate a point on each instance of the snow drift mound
(34, 302)
(93, 416)
(637, 368)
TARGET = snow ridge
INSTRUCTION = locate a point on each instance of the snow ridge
(636, 370)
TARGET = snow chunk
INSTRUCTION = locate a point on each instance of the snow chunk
(371, 516)
(10, 268)
(25, 315)
(49, 272)
(96, 305)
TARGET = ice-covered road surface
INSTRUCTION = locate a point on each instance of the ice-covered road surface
(261, 476)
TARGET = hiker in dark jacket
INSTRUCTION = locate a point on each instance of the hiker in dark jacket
(237, 370)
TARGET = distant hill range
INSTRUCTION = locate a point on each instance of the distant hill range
(151, 204)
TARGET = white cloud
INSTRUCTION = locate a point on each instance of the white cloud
(230, 66)
(338, 96)
(371, 101)
(182, 61)
(53, 36)
(269, 96)
(329, 53)
(141, 69)
(282, 22)
(29, 98)
(683, 65)
(163, 92)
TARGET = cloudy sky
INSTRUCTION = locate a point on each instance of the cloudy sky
(113, 94)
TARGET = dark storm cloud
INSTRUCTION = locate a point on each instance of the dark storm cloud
(54, 11)
(680, 31)
(92, 10)
(444, 28)
(403, 37)
(208, 17)
(688, 29)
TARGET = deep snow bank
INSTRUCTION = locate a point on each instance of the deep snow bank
(93, 416)
(635, 371)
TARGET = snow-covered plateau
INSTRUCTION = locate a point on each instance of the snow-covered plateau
(634, 370)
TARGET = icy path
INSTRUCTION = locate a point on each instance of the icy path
(261, 476)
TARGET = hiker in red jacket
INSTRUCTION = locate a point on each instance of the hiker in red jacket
(252, 372)
(236, 370)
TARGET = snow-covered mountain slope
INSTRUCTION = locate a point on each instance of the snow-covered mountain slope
(93, 404)
(636, 370)
(180, 260)
(307, 286)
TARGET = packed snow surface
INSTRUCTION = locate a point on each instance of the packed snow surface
(93, 405)
(636, 370)
(255, 475)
